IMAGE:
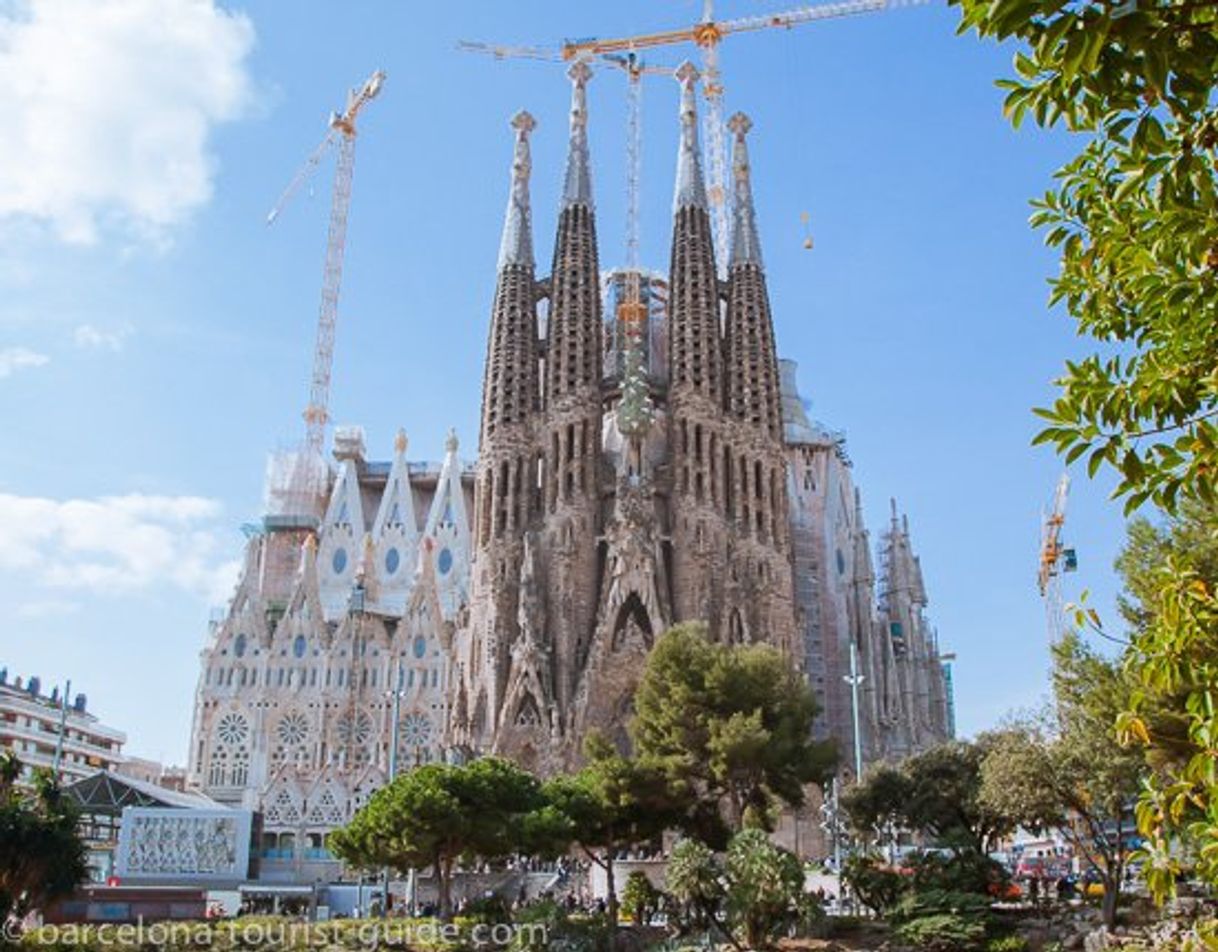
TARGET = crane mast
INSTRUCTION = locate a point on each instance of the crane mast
(1055, 559)
(631, 310)
(707, 34)
(342, 134)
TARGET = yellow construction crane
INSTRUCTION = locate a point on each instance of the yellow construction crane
(1055, 559)
(635, 69)
(707, 34)
(631, 310)
(341, 132)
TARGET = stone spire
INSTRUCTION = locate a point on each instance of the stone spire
(516, 247)
(577, 189)
(573, 351)
(753, 387)
(695, 351)
(691, 188)
(864, 568)
(746, 247)
(509, 390)
(569, 437)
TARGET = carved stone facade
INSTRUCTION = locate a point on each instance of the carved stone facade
(644, 459)
(295, 701)
(624, 486)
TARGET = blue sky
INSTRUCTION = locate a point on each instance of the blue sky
(155, 336)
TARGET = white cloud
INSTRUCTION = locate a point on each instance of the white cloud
(90, 336)
(117, 544)
(109, 105)
(13, 359)
(48, 608)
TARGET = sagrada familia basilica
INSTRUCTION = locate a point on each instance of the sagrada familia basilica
(645, 458)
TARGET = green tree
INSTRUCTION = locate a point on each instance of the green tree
(945, 796)
(1070, 773)
(1170, 573)
(1133, 215)
(612, 804)
(434, 814)
(731, 726)
(764, 887)
(937, 792)
(42, 857)
(876, 807)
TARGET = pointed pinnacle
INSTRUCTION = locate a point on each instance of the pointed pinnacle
(516, 247)
(577, 189)
(746, 245)
(690, 189)
(740, 124)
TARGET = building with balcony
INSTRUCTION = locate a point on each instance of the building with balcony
(47, 730)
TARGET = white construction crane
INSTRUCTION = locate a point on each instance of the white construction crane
(342, 133)
(1055, 559)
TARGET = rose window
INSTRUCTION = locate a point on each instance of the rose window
(414, 730)
(233, 729)
(355, 729)
(293, 729)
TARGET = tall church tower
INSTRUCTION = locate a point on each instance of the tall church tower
(699, 455)
(571, 424)
(760, 597)
(505, 487)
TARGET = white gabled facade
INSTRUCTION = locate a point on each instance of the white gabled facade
(295, 700)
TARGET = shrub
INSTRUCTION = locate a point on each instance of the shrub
(932, 902)
(878, 887)
(765, 886)
(942, 932)
(640, 898)
(578, 932)
(967, 871)
(487, 909)
(694, 880)
(1007, 943)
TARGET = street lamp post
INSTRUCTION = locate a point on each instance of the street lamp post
(396, 695)
(63, 725)
(854, 679)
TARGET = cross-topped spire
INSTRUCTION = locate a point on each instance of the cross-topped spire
(746, 246)
(577, 190)
(691, 188)
(516, 248)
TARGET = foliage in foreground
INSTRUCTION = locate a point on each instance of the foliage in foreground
(1134, 217)
(41, 854)
(1171, 576)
